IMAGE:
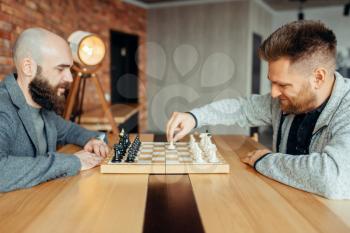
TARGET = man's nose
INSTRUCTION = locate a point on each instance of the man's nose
(68, 77)
(275, 92)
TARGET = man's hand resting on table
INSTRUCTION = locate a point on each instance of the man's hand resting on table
(97, 147)
(253, 156)
(88, 160)
(92, 155)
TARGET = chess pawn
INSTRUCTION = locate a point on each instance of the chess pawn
(202, 140)
(192, 140)
(171, 146)
(193, 147)
(114, 159)
(198, 156)
(196, 149)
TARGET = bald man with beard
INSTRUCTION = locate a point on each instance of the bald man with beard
(30, 127)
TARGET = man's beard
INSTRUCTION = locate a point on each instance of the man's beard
(45, 94)
(303, 102)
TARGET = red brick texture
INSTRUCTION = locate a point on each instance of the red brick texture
(66, 16)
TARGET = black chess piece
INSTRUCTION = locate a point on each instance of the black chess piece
(114, 159)
(127, 140)
(137, 142)
(118, 153)
(115, 156)
(132, 153)
(124, 139)
(131, 156)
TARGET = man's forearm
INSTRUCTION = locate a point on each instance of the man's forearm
(316, 173)
(26, 171)
(246, 112)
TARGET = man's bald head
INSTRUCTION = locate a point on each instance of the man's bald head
(43, 61)
(33, 43)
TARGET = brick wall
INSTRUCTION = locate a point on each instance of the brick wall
(66, 16)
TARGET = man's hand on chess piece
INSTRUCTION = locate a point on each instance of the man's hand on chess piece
(88, 160)
(253, 156)
(180, 122)
(97, 147)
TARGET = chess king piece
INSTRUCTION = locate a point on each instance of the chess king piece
(124, 140)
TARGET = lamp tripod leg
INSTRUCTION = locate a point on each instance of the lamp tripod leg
(105, 106)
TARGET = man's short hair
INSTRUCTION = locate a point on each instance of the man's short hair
(301, 40)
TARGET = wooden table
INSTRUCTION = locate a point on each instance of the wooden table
(242, 201)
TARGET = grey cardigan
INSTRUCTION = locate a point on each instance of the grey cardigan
(20, 164)
(326, 170)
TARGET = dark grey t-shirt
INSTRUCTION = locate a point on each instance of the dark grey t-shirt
(40, 129)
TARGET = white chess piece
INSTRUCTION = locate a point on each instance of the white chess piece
(194, 147)
(171, 146)
(201, 142)
(199, 156)
(212, 154)
(192, 140)
(209, 142)
(197, 153)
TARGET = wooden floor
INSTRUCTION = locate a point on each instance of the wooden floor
(242, 201)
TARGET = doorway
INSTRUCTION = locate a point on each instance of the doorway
(124, 73)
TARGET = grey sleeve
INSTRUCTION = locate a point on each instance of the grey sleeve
(255, 110)
(71, 133)
(23, 171)
(326, 173)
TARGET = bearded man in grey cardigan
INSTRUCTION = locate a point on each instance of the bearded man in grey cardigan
(308, 108)
(30, 129)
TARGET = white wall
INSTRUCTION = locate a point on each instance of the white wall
(201, 53)
(331, 16)
(196, 54)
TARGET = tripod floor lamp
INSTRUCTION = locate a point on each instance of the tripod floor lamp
(88, 52)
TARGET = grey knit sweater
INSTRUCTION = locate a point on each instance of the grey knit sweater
(326, 170)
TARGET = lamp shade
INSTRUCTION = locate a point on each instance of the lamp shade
(88, 49)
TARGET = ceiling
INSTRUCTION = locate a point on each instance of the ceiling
(278, 5)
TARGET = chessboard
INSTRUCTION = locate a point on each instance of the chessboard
(159, 158)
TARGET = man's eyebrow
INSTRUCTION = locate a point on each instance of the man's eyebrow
(63, 66)
(277, 82)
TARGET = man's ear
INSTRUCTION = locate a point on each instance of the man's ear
(320, 75)
(28, 67)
